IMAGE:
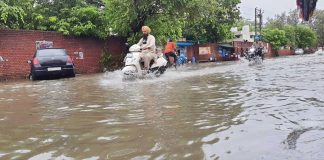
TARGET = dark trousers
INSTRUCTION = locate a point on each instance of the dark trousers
(172, 54)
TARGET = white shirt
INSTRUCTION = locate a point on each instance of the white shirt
(150, 43)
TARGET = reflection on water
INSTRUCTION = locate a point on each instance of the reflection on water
(206, 111)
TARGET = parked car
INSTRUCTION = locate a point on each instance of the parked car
(51, 62)
(299, 51)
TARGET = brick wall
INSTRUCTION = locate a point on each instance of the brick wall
(285, 52)
(18, 46)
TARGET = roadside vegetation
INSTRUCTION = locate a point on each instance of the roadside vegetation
(192, 19)
(287, 30)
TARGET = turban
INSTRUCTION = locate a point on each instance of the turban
(146, 28)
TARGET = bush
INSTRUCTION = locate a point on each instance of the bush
(110, 62)
(104, 60)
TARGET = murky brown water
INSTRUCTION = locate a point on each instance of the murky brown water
(209, 111)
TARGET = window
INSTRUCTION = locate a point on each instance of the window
(50, 52)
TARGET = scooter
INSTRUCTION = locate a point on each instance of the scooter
(255, 56)
(134, 65)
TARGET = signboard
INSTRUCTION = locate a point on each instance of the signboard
(44, 44)
(79, 54)
(204, 50)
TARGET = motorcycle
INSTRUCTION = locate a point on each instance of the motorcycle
(255, 56)
(134, 65)
(181, 60)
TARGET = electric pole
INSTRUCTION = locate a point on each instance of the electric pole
(258, 24)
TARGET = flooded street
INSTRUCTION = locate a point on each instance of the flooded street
(224, 111)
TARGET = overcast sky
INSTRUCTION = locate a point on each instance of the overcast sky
(270, 7)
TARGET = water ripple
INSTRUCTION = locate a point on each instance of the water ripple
(205, 111)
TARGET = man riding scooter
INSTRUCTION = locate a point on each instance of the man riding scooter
(147, 44)
(144, 50)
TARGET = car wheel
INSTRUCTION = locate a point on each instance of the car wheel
(72, 74)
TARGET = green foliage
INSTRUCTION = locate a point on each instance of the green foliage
(172, 18)
(126, 17)
(167, 18)
(317, 24)
(71, 17)
(290, 33)
(305, 37)
(81, 21)
(277, 38)
(213, 22)
(299, 36)
(105, 59)
(11, 16)
(110, 62)
(283, 19)
(242, 22)
(52, 19)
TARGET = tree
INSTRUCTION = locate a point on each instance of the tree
(277, 38)
(71, 17)
(11, 15)
(172, 18)
(283, 19)
(298, 34)
(316, 23)
(167, 18)
(290, 33)
(293, 17)
(126, 17)
(305, 37)
(214, 22)
(242, 22)
(278, 22)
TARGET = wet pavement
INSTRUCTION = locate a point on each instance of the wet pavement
(223, 111)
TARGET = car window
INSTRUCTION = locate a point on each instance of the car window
(50, 52)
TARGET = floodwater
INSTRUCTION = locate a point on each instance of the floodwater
(225, 111)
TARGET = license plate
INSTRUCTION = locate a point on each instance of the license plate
(54, 69)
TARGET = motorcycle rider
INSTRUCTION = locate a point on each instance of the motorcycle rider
(147, 44)
(259, 50)
(170, 51)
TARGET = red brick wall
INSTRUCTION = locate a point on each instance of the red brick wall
(285, 52)
(18, 46)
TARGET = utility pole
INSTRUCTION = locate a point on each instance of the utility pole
(258, 24)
